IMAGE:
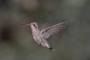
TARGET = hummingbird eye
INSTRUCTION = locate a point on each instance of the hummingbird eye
(33, 24)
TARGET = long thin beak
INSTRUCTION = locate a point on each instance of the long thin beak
(26, 24)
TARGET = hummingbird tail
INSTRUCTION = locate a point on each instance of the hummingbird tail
(51, 49)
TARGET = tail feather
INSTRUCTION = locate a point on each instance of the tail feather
(51, 49)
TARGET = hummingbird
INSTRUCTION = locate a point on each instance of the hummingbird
(40, 36)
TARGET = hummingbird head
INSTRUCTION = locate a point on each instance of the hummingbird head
(34, 24)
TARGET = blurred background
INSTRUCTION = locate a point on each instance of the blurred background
(16, 41)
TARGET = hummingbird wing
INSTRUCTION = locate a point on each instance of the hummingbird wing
(47, 32)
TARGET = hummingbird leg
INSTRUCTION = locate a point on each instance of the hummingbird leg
(39, 44)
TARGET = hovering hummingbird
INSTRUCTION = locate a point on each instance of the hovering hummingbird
(40, 36)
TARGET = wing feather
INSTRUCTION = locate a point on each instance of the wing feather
(47, 32)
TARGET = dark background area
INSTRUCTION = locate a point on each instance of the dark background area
(16, 41)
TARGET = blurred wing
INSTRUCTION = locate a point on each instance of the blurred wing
(43, 26)
(47, 32)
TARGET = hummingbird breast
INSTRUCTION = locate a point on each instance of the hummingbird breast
(36, 35)
(41, 41)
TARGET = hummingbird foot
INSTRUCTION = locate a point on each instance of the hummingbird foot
(39, 44)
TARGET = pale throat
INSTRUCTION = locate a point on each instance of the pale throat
(35, 30)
